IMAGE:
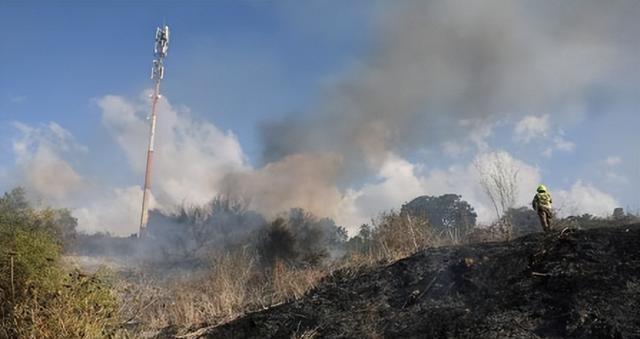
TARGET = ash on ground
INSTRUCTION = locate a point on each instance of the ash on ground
(566, 284)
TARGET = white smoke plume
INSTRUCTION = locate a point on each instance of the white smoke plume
(584, 198)
(40, 161)
(117, 211)
(532, 127)
(191, 155)
(400, 181)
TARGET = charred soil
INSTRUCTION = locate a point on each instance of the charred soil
(569, 284)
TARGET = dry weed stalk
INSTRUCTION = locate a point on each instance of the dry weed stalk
(498, 176)
(234, 285)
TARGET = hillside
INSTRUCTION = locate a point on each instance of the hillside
(576, 284)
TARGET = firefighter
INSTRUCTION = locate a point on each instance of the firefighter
(542, 204)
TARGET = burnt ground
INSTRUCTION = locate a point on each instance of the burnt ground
(571, 284)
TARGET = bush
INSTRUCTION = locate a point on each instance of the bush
(299, 239)
(58, 224)
(192, 233)
(39, 299)
(395, 235)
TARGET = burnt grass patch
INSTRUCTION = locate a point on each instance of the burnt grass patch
(566, 284)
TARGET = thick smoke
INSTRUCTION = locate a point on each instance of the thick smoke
(443, 72)
(298, 180)
(444, 68)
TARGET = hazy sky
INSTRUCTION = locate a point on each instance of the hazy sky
(346, 108)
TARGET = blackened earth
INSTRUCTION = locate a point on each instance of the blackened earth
(570, 284)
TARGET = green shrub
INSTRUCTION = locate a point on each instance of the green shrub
(39, 298)
(78, 306)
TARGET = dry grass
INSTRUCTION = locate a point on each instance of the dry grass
(234, 285)
(308, 334)
(83, 307)
(397, 236)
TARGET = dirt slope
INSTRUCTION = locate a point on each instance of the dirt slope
(575, 284)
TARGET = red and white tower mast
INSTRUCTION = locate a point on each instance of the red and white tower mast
(157, 73)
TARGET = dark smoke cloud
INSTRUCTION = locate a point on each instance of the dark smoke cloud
(443, 68)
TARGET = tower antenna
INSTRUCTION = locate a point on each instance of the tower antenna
(157, 73)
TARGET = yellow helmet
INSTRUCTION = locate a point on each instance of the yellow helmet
(541, 188)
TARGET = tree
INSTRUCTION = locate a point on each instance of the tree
(447, 214)
(361, 242)
(14, 200)
(16, 211)
(618, 214)
(299, 239)
(193, 232)
(499, 178)
(276, 242)
(60, 224)
(15, 208)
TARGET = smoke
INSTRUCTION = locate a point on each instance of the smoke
(584, 198)
(399, 181)
(40, 161)
(116, 210)
(443, 68)
(47, 165)
(441, 73)
(191, 155)
(532, 127)
(299, 180)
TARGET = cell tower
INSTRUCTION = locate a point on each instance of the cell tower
(157, 73)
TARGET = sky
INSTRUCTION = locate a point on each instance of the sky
(346, 109)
